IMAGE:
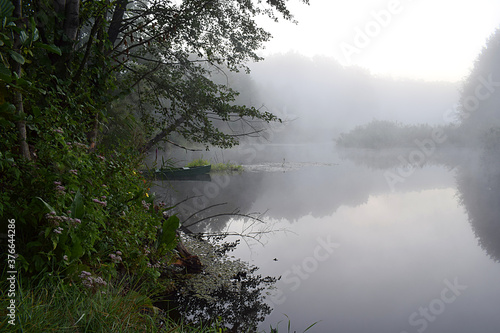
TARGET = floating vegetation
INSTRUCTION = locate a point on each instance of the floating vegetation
(228, 290)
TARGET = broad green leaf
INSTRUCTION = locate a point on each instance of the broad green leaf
(17, 57)
(49, 207)
(21, 82)
(36, 111)
(77, 208)
(6, 8)
(61, 242)
(5, 74)
(23, 36)
(17, 173)
(168, 233)
(36, 34)
(34, 244)
(76, 250)
(49, 47)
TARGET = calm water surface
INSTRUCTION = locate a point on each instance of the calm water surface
(355, 254)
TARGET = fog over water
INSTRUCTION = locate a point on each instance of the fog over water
(392, 252)
(401, 238)
(326, 98)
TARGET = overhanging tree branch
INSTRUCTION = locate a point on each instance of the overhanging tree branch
(117, 20)
(160, 136)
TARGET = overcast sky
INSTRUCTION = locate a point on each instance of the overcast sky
(422, 39)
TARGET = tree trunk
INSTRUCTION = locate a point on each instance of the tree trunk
(71, 19)
(92, 135)
(21, 129)
(67, 22)
(116, 21)
(18, 97)
(191, 263)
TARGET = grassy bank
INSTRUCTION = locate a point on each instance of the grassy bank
(53, 305)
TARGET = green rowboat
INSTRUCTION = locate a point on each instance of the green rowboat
(184, 173)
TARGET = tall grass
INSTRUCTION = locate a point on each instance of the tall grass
(216, 167)
(54, 305)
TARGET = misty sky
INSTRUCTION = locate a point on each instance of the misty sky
(421, 39)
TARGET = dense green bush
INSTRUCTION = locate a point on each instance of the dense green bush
(75, 206)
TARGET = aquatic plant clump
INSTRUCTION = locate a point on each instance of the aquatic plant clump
(216, 167)
(219, 270)
(228, 288)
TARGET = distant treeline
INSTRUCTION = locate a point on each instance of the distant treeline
(383, 134)
(475, 122)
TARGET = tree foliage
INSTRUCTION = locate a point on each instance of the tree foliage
(164, 52)
(480, 97)
(70, 70)
(171, 52)
(74, 72)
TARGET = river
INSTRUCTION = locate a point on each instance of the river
(361, 245)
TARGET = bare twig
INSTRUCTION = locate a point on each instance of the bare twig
(206, 208)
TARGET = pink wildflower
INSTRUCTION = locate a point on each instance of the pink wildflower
(102, 203)
(116, 259)
(60, 189)
(83, 274)
(81, 145)
(145, 205)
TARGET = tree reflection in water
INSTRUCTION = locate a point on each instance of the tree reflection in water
(228, 290)
(478, 183)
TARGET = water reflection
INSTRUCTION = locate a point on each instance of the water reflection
(398, 251)
(478, 181)
(228, 293)
(291, 193)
